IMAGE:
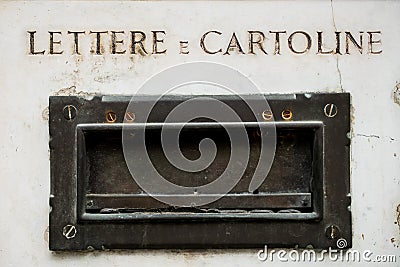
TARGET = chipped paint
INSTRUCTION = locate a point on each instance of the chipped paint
(396, 241)
(46, 235)
(45, 114)
(71, 91)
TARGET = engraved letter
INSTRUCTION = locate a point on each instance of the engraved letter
(52, 43)
(98, 41)
(139, 43)
(277, 49)
(76, 41)
(337, 43)
(350, 38)
(156, 41)
(234, 43)
(32, 45)
(320, 51)
(371, 42)
(308, 42)
(184, 47)
(203, 46)
(114, 43)
(259, 42)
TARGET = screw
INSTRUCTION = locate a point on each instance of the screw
(129, 116)
(287, 114)
(267, 115)
(69, 231)
(111, 116)
(69, 112)
(330, 110)
(332, 232)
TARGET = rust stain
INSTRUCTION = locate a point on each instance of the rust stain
(396, 93)
(393, 240)
(352, 120)
(102, 49)
(398, 216)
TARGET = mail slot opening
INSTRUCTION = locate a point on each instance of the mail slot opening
(292, 186)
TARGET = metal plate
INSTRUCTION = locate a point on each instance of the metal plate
(305, 199)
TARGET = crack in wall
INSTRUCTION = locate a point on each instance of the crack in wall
(339, 73)
(369, 135)
(384, 138)
(337, 56)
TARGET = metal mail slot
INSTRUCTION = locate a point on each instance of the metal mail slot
(96, 202)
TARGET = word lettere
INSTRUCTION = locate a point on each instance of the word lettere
(211, 42)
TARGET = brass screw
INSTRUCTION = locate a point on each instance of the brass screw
(69, 112)
(287, 114)
(332, 232)
(129, 116)
(111, 117)
(267, 115)
(330, 110)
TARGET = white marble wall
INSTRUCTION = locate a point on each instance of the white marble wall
(26, 81)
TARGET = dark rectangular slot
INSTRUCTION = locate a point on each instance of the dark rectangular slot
(110, 188)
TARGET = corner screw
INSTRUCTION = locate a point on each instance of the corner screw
(332, 232)
(330, 110)
(69, 112)
(129, 116)
(69, 231)
(111, 116)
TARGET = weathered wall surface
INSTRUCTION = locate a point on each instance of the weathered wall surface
(26, 81)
